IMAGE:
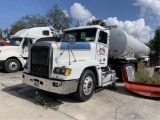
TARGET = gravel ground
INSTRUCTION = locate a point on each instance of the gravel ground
(19, 102)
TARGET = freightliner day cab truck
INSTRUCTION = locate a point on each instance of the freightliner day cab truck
(14, 56)
(87, 57)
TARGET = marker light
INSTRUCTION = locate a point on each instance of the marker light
(67, 72)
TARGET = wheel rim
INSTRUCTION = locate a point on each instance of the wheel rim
(13, 66)
(88, 85)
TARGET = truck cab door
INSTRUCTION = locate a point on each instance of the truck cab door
(25, 47)
(102, 49)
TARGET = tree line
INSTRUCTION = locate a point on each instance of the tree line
(154, 45)
(54, 17)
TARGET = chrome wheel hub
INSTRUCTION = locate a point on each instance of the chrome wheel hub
(88, 85)
(13, 66)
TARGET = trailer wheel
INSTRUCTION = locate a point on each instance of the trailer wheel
(157, 71)
(11, 65)
(86, 86)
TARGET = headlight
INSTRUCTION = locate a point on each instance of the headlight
(63, 71)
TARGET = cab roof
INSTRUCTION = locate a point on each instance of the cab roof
(85, 27)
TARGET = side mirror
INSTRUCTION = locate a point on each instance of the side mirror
(71, 41)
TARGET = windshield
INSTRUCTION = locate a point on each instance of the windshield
(15, 41)
(83, 35)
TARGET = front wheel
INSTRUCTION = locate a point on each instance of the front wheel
(12, 65)
(86, 86)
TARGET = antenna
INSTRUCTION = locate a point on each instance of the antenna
(73, 56)
(71, 42)
(69, 54)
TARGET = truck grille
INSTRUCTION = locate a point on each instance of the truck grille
(40, 61)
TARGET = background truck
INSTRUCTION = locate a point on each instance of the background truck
(14, 56)
(87, 57)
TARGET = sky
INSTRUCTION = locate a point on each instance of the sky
(140, 18)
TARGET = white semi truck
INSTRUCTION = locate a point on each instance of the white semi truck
(87, 57)
(14, 56)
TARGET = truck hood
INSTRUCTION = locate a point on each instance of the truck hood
(8, 48)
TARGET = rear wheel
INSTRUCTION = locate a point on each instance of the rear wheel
(86, 86)
(12, 65)
(157, 71)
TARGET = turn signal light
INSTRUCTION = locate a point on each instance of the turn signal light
(67, 72)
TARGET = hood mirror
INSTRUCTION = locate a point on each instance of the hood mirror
(71, 40)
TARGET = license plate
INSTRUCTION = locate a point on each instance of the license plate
(36, 84)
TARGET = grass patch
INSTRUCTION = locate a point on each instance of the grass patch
(41, 100)
(142, 76)
(47, 102)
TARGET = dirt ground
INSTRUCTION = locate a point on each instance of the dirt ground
(22, 102)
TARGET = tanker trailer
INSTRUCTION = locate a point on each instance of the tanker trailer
(125, 50)
(123, 45)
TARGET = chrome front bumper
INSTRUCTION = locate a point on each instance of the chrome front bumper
(55, 86)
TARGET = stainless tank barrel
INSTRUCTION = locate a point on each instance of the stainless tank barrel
(122, 44)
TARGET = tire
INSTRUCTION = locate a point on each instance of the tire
(86, 86)
(118, 73)
(114, 86)
(11, 65)
(157, 71)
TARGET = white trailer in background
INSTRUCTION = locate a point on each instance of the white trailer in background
(87, 57)
(14, 56)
